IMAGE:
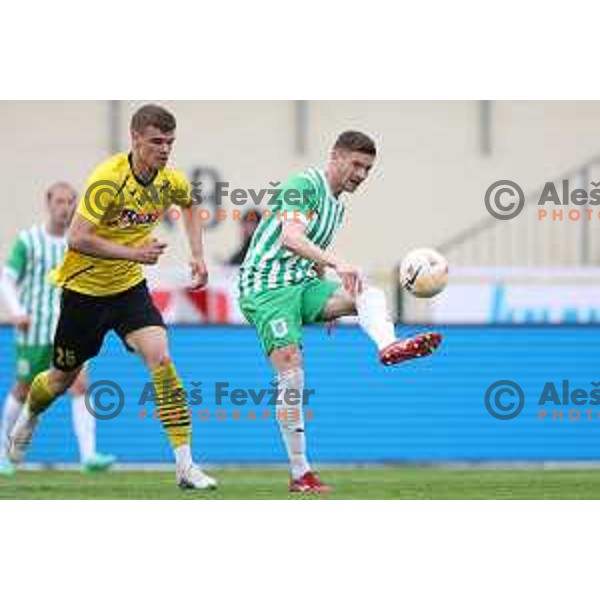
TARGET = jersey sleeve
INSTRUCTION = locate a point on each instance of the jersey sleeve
(297, 197)
(181, 193)
(101, 196)
(17, 259)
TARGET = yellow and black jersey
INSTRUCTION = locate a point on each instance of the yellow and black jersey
(124, 210)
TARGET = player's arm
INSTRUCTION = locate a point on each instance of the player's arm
(12, 273)
(195, 236)
(10, 295)
(83, 238)
(293, 237)
(184, 199)
(98, 201)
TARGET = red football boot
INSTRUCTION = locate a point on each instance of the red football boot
(309, 483)
(420, 345)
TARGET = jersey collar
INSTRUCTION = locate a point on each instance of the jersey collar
(46, 229)
(141, 182)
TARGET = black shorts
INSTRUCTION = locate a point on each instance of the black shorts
(84, 321)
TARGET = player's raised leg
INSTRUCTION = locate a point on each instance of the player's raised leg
(84, 426)
(152, 345)
(374, 318)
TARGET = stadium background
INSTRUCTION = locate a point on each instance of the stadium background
(523, 302)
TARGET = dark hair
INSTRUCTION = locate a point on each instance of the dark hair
(355, 141)
(152, 115)
(251, 215)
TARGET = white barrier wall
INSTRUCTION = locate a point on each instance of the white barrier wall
(43, 142)
(428, 184)
(511, 295)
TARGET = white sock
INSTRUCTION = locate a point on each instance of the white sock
(84, 426)
(374, 316)
(183, 457)
(10, 413)
(290, 416)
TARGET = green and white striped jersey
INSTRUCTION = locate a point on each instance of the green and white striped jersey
(33, 255)
(269, 265)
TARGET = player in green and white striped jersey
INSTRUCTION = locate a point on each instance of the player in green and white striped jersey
(282, 287)
(269, 264)
(33, 304)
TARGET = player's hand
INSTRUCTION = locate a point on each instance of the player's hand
(149, 253)
(199, 274)
(350, 276)
(22, 323)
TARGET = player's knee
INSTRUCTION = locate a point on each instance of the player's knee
(348, 307)
(156, 359)
(341, 304)
(60, 381)
(286, 358)
(20, 390)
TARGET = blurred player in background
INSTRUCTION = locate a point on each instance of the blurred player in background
(34, 303)
(282, 286)
(104, 285)
(248, 224)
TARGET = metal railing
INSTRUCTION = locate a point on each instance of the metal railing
(529, 240)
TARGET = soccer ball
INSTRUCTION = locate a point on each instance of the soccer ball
(424, 272)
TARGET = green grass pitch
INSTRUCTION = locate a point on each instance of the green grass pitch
(271, 484)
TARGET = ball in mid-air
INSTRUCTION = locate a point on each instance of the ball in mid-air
(424, 272)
